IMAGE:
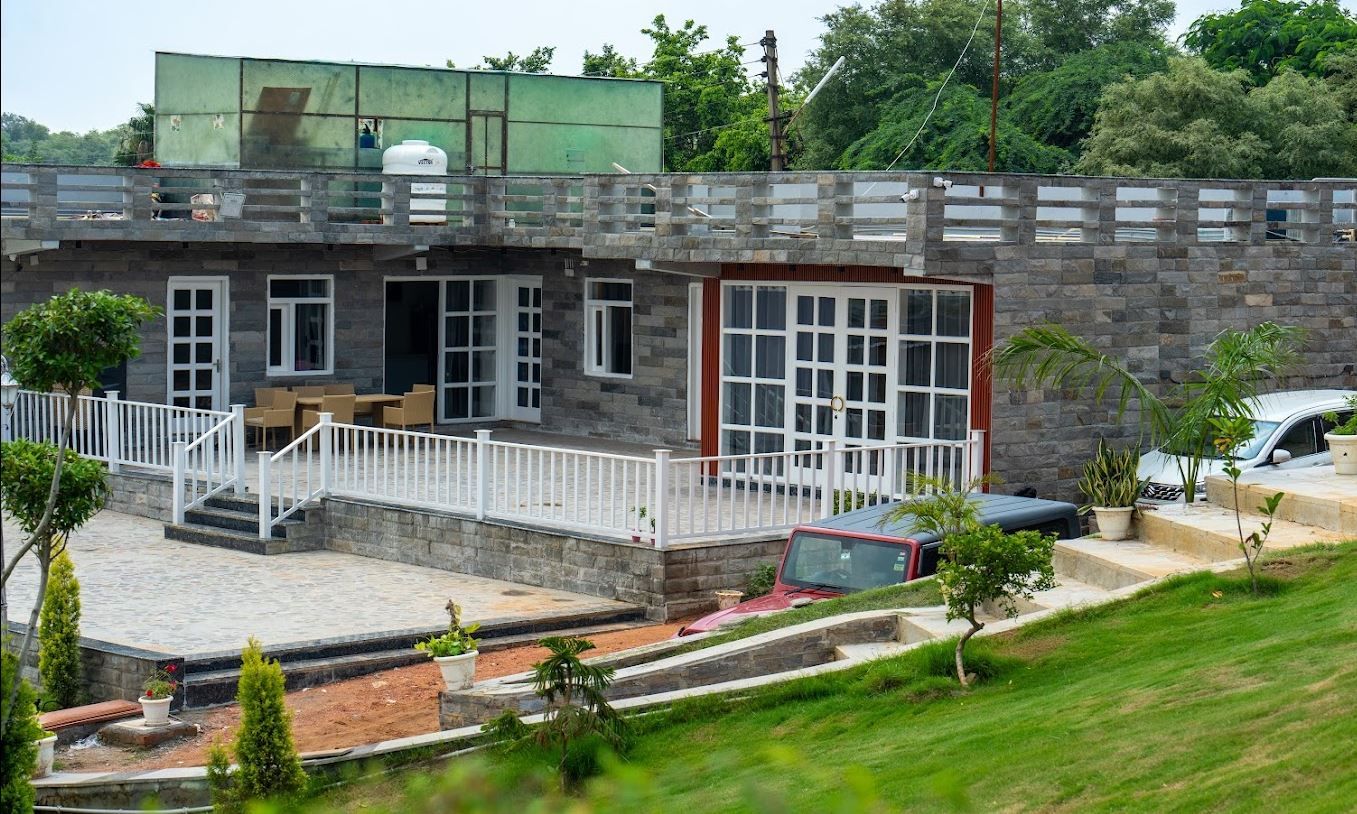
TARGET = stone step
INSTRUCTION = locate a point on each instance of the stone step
(1110, 565)
(1315, 496)
(867, 651)
(219, 686)
(233, 540)
(230, 520)
(1210, 533)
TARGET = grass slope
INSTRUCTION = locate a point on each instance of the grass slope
(1193, 696)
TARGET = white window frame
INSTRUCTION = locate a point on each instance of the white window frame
(288, 306)
(592, 308)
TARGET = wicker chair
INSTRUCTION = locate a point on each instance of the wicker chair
(280, 414)
(340, 405)
(416, 409)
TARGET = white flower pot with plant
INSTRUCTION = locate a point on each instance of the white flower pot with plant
(1343, 440)
(455, 651)
(1111, 485)
(158, 693)
(47, 754)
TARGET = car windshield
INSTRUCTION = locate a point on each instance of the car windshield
(1262, 430)
(843, 563)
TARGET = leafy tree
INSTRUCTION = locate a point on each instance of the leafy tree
(1231, 434)
(956, 136)
(63, 343)
(137, 136)
(1057, 107)
(59, 662)
(25, 140)
(608, 62)
(1341, 77)
(1195, 122)
(538, 61)
(269, 768)
(18, 752)
(1267, 37)
(986, 566)
(1065, 27)
(576, 708)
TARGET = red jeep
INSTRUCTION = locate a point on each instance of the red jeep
(861, 549)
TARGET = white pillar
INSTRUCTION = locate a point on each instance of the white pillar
(180, 465)
(238, 446)
(265, 498)
(661, 507)
(977, 455)
(326, 433)
(482, 473)
(112, 425)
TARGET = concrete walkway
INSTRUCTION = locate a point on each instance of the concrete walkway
(141, 590)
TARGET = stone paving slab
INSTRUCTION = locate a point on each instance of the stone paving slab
(141, 590)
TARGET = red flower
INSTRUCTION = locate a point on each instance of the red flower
(149, 693)
(169, 668)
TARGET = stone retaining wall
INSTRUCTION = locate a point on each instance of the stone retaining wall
(142, 494)
(113, 672)
(676, 582)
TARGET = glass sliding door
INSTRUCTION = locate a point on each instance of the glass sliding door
(469, 336)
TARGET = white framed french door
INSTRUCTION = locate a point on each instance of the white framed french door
(197, 347)
(490, 349)
(861, 365)
(525, 398)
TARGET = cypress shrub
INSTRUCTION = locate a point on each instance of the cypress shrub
(59, 663)
(268, 763)
(18, 747)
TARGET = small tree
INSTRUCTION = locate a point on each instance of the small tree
(985, 565)
(938, 506)
(65, 343)
(574, 695)
(269, 765)
(17, 748)
(1231, 435)
(59, 662)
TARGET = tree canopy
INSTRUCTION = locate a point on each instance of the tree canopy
(1267, 37)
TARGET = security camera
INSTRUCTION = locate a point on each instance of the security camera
(942, 183)
(912, 195)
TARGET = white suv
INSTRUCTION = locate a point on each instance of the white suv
(1288, 433)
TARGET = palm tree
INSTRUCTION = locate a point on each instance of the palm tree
(1237, 366)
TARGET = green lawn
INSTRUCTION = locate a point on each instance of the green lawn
(1195, 696)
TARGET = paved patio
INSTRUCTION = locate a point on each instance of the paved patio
(141, 590)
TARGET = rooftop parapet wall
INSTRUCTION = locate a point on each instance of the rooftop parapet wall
(910, 220)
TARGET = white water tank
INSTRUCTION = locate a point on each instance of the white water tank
(413, 157)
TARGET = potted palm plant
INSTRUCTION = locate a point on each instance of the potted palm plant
(1343, 440)
(1111, 485)
(455, 651)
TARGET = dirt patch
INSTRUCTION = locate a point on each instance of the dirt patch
(390, 704)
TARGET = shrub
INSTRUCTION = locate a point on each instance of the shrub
(220, 782)
(578, 719)
(268, 765)
(1111, 479)
(761, 582)
(59, 662)
(18, 752)
(456, 641)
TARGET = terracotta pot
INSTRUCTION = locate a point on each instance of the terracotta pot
(1344, 449)
(1114, 524)
(155, 711)
(459, 672)
(47, 753)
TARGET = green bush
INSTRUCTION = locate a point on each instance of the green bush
(18, 752)
(761, 582)
(63, 680)
(268, 765)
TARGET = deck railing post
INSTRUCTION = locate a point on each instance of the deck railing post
(482, 472)
(327, 436)
(976, 458)
(180, 466)
(265, 492)
(112, 443)
(661, 506)
(831, 453)
(238, 446)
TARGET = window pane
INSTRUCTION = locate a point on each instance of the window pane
(805, 310)
(824, 384)
(459, 295)
(772, 309)
(485, 295)
(854, 418)
(483, 401)
(854, 386)
(739, 306)
(802, 419)
(183, 299)
(275, 337)
(768, 442)
(737, 442)
(826, 351)
(878, 317)
(616, 292)
(204, 299)
(770, 357)
(857, 313)
(737, 398)
(805, 346)
(876, 353)
(457, 367)
(768, 399)
(483, 366)
(317, 287)
(181, 353)
(918, 308)
(856, 349)
(912, 416)
(950, 421)
(954, 313)
(876, 388)
(738, 353)
(827, 305)
(803, 382)
(953, 368)
(619, 337)
(876, 425)
(458, 332)
(309, 325)
(483, 331)
(916, 363)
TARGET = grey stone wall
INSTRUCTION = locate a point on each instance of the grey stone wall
(669, 584)
(145, 495)
(112, 671)
(651, 407)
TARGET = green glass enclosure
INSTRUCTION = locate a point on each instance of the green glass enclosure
(278, 114)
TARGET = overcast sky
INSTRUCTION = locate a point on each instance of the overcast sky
(82, 64)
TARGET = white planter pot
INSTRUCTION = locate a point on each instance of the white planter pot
(47, 753)
(728, 599)
(1344, 449)
(458, 671)
(155, 711)
(1114, 524)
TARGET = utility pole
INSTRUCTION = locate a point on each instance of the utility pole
(775, 140)
(994, 91)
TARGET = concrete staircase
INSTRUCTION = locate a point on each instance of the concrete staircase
(232, 521)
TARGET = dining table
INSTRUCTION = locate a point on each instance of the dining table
(363, 404)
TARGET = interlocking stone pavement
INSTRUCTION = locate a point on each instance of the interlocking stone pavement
(141, 590)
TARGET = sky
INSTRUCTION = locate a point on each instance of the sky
(79, 65)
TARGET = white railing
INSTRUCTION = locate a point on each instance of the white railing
(409, 468)
(296, 476)
(210, 464)
(122, 433)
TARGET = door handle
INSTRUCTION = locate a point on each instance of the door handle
(216, 365)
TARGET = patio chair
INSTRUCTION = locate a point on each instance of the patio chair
(263, 396)
(339, 389)
(416, 409)
(278, 415)
(309, 390)
(340, 405)
(421, 388)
